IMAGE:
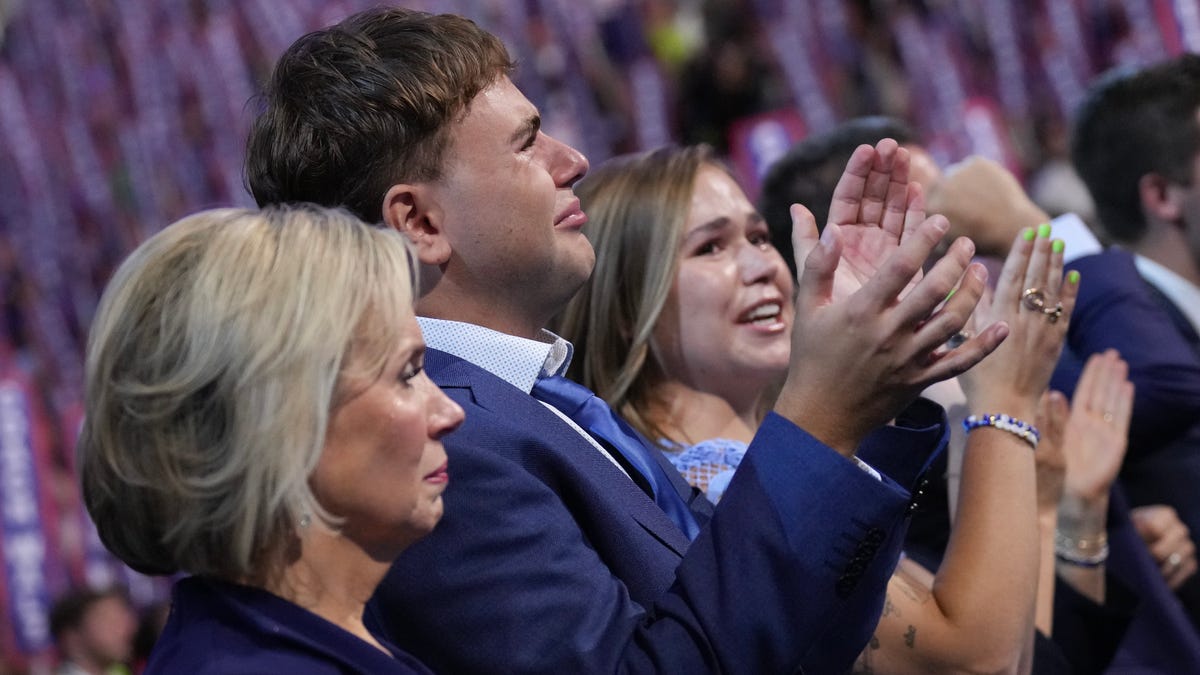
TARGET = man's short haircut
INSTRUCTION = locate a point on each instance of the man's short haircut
(355, 108)
(219, 351)
(810, 170)
(1132, 123)
(68, 611)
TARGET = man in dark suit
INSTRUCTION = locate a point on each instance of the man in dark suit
(1136, 144)
(560, 551)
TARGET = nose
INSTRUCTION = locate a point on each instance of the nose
(567, 165)
(758, 263)
(444, 415)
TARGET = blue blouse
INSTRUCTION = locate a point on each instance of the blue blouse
(707, 465)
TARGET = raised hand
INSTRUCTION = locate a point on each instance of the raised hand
(1050, 459)
(858, 361)
(1098, 428)
(1011, 380)
(874, 206)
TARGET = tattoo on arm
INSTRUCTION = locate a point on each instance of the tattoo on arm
(910, 636)
(863, 665)
(889, 607)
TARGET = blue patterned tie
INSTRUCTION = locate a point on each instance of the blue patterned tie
(598, 419)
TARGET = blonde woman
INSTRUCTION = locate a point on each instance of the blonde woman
(684, 328)
(257, 416)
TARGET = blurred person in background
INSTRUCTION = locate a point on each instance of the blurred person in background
(258, 417)
(1135, 141)
(93, 631)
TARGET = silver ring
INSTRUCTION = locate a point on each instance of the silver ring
(1174, 560)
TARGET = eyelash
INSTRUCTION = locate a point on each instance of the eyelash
(409, 374)
(760, 239)
(529, 143)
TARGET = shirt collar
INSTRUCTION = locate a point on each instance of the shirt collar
(516, 360)
(1183, 293)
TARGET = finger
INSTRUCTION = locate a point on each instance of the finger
(915, 212)
(1152, 521)
(1054, 270)
(1055, 412)
(1011, 282)
(815, 287)
(950, 319)
(1182, 573)
(1115, 374)
(848, 194)
(902, 265)
(1068, 293)
(896, 204)
(1123, 411)
(1085, 389)
(1035, 273)
(957, 361)
(804, 232)
(883, 181)
(937, 284)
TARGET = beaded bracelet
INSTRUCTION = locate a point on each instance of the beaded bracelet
(1024, 430)
(1082, 552)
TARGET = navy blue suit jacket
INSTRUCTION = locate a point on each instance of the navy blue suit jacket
(550, 560)
(1117, 309)
(226, 629)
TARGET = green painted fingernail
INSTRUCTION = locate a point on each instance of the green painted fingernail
(1044, 230)
(1073, 277)
(1058, 246)
(951, 293)
(1028, 234)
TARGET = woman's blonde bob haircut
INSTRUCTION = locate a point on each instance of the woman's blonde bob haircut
(637, 207)
(217, 354)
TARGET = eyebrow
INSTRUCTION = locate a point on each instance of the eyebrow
(720, 223)
(704, 229)
(527, 130)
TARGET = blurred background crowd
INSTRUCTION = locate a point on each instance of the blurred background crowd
(120, 116)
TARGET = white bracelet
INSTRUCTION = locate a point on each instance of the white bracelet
(1024, 430)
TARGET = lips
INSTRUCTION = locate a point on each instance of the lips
(572, 217)
(439, 475)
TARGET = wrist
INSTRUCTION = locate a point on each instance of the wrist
(1011, 426)
(1082, 517)
(1089, 551)
(822, 423)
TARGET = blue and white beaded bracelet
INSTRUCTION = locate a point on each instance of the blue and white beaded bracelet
(1026, 431)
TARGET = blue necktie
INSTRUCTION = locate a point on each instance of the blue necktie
(596, 417)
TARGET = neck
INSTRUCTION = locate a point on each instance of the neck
(333, 577)
(1167, 245)
(688, 415)
(446, 301)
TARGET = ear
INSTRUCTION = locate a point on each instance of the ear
(411, 210)
(1161, 199)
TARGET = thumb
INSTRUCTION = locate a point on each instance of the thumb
(804, 232)
(816, 279)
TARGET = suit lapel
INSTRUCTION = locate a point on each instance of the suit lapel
(496, 395)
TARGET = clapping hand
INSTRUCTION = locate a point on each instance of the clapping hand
(865, 345)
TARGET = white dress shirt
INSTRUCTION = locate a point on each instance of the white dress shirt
(516, 360)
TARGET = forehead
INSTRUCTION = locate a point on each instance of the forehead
(496, 112)
(715, 194)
